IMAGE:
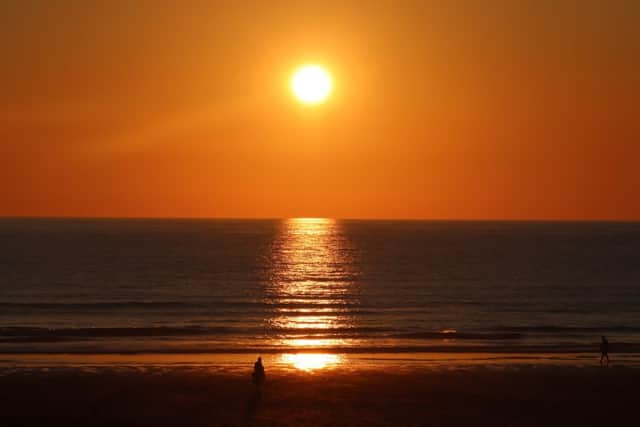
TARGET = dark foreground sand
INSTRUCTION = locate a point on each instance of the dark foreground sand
(199, 397)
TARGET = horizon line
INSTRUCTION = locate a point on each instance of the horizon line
(267, 218)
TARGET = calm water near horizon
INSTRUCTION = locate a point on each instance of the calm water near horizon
(317, 285)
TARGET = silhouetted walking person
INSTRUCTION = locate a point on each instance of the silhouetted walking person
(258, 372)
(604, 350)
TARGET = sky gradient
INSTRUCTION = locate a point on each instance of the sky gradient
(441, 110)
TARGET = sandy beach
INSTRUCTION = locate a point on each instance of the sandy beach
(201, 395)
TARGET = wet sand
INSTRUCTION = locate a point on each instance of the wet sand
(199, 396)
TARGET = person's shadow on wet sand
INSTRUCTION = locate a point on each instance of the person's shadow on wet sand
(253, 405)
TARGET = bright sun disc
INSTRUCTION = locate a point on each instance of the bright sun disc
(311, 84)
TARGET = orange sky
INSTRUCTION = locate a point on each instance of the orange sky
(454, 110)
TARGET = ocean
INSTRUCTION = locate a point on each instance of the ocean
(111, 286)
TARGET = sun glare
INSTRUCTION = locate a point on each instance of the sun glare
(311, 362)
(311, 84)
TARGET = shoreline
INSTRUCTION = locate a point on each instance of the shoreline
(310, 362)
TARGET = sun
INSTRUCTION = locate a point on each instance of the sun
(311, 84)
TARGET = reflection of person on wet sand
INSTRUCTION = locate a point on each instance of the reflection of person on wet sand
(258, 375)
(604, 350)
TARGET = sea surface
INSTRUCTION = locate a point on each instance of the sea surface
(317, 285)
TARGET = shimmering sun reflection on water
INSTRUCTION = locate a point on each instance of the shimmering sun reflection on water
(311, 362)
(313, 342)
(311, 291)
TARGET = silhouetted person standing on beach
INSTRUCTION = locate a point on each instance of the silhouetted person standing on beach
(604, 350)
(253, 404)
(258, 372)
